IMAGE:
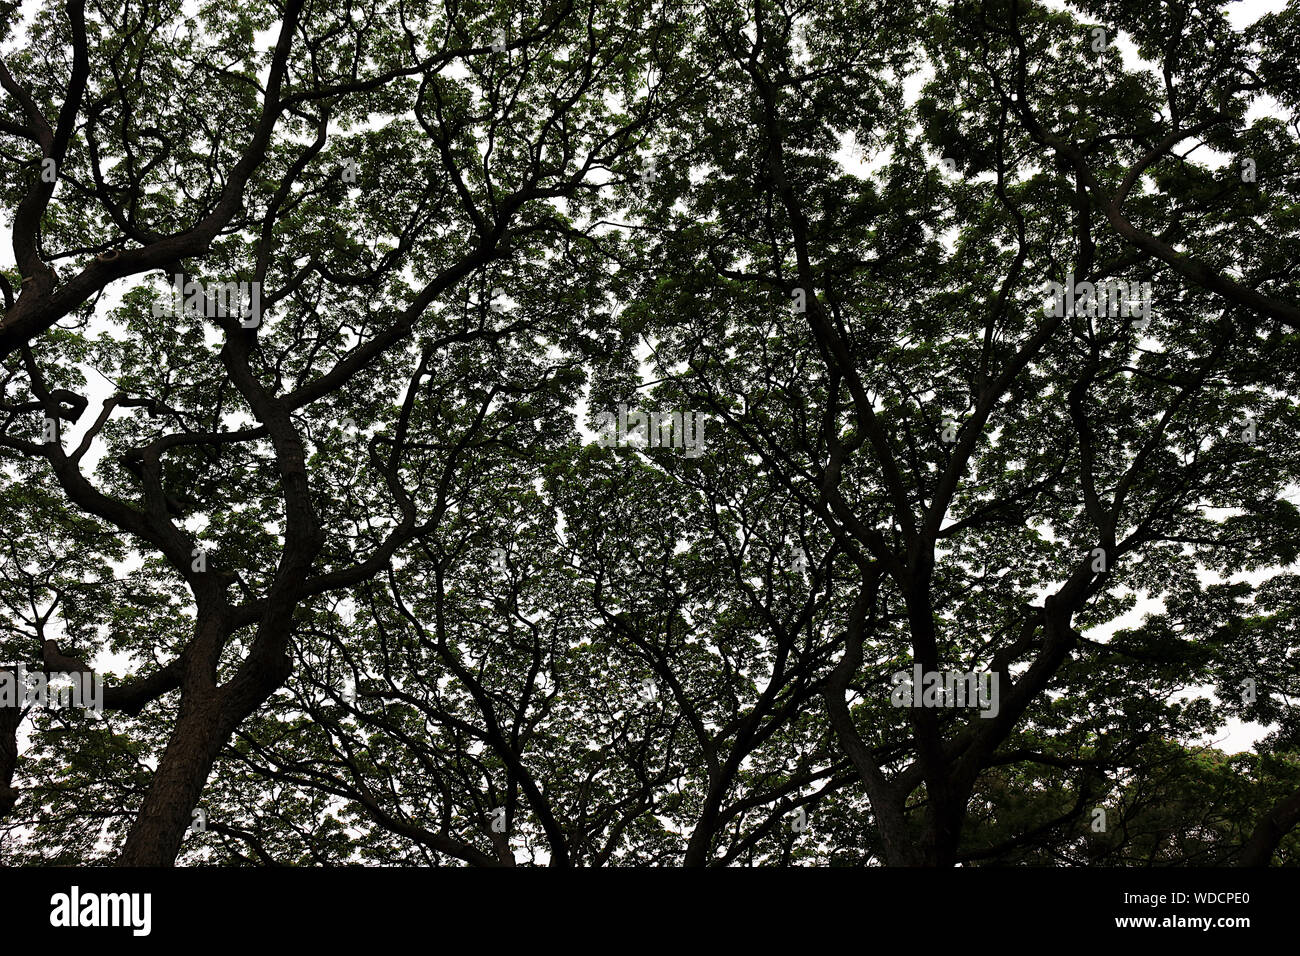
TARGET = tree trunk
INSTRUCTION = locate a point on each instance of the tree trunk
(1277, 823)
(160, 826)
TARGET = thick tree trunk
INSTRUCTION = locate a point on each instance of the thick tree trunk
(10, 717)
(155, 837)
(1277, 823)
(209, 715)
(701, 841)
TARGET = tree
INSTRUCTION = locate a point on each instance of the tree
(992, 401)
(1002, 477)
(208, 469)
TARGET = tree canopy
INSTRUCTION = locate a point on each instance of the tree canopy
(480, 432)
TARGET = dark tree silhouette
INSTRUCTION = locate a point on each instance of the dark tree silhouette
(970, 337)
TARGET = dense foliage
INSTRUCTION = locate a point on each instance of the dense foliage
(370, 578)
